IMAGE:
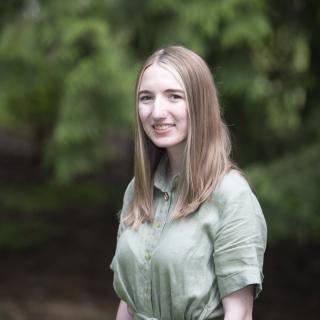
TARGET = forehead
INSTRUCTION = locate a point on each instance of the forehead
(160, 77)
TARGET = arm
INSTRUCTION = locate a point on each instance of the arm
(123, 313)
(238, 305)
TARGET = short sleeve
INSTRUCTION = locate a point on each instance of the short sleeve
(240, 241)
(125, 206)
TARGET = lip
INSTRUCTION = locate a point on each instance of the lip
(162, 128)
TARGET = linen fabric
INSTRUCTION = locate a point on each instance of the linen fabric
(180, 269)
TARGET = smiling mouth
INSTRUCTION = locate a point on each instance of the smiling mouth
(162, 126)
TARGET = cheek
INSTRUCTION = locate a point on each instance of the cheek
(184, 119)
(143, 116)
(143, 113)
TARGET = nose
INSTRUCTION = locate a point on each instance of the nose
(158, 111)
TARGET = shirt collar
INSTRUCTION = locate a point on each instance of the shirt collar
(159, 180)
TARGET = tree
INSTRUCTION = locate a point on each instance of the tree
(65, 79)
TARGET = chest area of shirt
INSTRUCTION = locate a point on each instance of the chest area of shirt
(167, 241)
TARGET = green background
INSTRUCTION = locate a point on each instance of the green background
(67, 75)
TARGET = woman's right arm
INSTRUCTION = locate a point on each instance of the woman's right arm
(123, 313)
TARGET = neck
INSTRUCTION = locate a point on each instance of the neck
(175, 163)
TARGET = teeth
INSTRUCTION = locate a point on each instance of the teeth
(162, 126)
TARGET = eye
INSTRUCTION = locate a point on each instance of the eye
(145, 98)
(174, 97)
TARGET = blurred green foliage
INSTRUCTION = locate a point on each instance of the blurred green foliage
(289, 191)
(67, 73)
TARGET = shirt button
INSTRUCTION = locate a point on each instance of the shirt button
(166, 196)
(147, 256)
(157, 223)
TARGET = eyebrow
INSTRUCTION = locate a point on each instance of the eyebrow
(166, 91)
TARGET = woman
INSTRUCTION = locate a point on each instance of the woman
(192, 235)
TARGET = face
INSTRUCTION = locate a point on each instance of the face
(162, 108)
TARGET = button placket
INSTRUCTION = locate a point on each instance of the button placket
(147, 255)
(157, 223)
(154, 235)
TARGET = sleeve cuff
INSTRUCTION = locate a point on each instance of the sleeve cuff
(237, 281)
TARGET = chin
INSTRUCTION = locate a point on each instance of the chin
(166, 145)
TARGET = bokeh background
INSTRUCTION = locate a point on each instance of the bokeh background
(67, 74)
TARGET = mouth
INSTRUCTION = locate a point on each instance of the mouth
(164, 126)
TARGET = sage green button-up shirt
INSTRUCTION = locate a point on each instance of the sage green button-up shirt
(180, 269)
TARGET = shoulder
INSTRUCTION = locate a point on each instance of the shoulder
(232, 191)
(238, 205)
(127, 198)
(128, 194)
(231, 186)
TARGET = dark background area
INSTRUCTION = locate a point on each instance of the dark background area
(67, 75)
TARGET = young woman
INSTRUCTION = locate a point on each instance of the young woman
(192, 235)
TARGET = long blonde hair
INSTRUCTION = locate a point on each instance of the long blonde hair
(208, 147)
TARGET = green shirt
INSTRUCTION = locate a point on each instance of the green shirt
(180, 269)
